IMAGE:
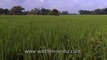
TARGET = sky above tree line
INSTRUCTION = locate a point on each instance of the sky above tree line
(72, 6)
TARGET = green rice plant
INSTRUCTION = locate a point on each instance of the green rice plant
(84, 33)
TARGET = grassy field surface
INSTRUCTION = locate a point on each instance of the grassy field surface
(86, 33)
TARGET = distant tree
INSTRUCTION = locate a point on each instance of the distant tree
(1, 11)
(65, 12)
(17, 10)
(25, 12)
(6, 12)
(98, 11)
(73, 13)
(44, 11)
(10, 13)
(105, 11)
(81, 12)
(54, 12)
(85, 12)
(34, 11)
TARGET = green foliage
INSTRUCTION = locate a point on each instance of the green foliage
(102, 11)
(54, 12)
(17, 10)
(85, 33)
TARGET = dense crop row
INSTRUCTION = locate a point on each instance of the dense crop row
(85, 33)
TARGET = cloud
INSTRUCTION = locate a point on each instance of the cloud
(42, 1)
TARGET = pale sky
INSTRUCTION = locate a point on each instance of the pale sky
(70, 5)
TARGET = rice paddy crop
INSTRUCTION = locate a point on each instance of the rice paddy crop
(86, 33)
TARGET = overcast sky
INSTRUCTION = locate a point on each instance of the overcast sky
(69, 5)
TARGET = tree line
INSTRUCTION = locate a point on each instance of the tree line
(96, 11)
(18, 10)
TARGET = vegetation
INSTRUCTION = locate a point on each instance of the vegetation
(54, 12)
(84, 33)
(96, 11)
(18, 10)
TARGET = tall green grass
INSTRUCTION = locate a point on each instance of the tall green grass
(85, 33)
